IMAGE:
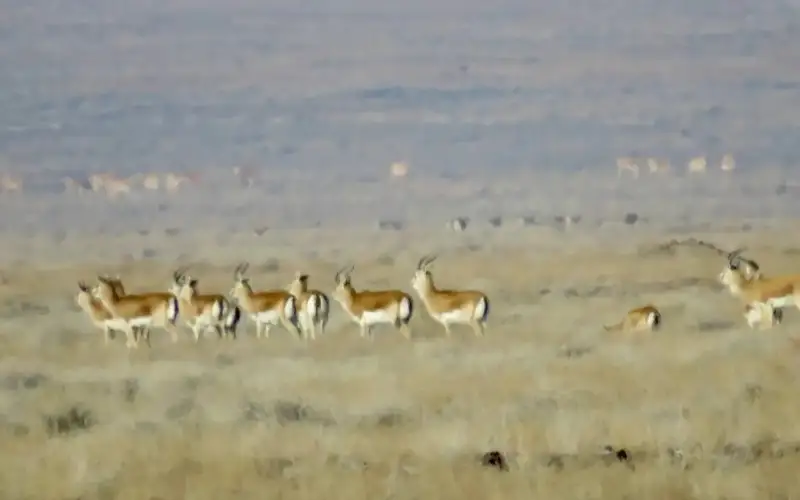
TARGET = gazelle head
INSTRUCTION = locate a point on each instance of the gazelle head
(241, 283)
(422, 279)
(344, 288)
(738, 270)
(183, 285)
(299, 284)
(105, 290)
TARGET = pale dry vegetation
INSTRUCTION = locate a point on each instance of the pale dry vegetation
(706, 408)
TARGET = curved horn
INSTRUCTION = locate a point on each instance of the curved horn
(426, 261)
(343, 272)
(238, 273)
(735, 255)
(83, 286)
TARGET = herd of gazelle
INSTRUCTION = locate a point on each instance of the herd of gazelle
(304, 311)
(299, 309)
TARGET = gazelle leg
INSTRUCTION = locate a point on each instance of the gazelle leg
(477, 327)
(131, 342)
(447, 330)
(405, 330)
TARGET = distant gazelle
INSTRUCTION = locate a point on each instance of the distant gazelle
(173, 181)
(697, 165)
(628, 164)
(373, 307)
(448, 307)
(658, 165)
(113, 186)
(10, 183)
(151, 181)
(313, 305)
(152, 309)
(265, 308)
(399, 169)
(641, 319)
(728, 163)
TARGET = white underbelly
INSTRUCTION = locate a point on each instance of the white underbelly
(458, 316)
(266, 317)
(122, 324)
(375, 317)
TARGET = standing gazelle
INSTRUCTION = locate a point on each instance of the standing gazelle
(760, 295)
(448, 307)
(313, 306)
(200, 311)
(369, 308)
(148, 309)
(265, 308)
(99, 315)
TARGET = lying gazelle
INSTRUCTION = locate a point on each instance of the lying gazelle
(100, 316)
(313, 305)
(265, 308)
(147, 309)
(369, 308)
(641, 319)
(203, 311)
(447, 307)
(760, 293)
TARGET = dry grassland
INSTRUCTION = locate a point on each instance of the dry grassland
(706, 407)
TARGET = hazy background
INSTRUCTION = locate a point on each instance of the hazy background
(489, 104)
(350, 85)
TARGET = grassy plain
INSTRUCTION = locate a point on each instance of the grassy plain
(706, 407)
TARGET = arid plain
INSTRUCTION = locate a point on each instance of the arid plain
(509, 113)
(705, 407)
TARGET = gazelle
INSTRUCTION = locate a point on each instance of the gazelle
(659, 165)
(265, 308)
(697, 165)
(151, 181)
(744, 280)
(728, 163)
(10, 183)
(99, 315)
(201, 312)
(111, 184)
(313, 306)
(628, 164)
(447, 307)
(641, 319)
(119, 289)
(173, 181)
(148, 309)
(369, 308)
(399, 169)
